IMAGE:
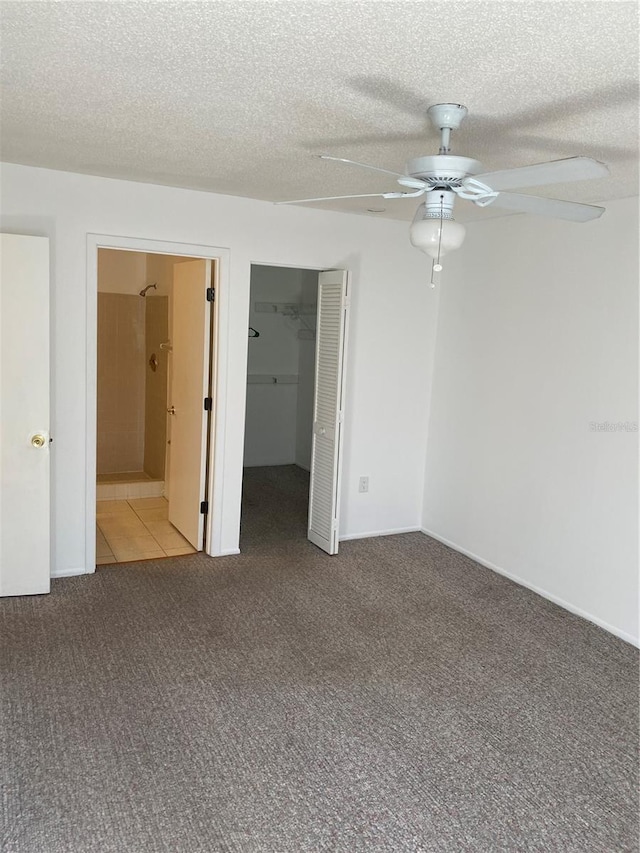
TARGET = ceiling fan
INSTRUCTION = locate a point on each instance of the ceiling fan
(442, 177)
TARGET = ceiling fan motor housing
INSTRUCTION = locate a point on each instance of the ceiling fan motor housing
(443, 170)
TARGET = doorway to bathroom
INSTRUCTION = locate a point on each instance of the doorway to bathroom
(154, 403)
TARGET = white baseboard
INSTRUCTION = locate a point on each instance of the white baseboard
(68, 573)
(227, 552)
(373, 533)
(628, 638)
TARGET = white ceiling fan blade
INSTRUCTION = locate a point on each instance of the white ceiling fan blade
(335, 197)
(423, 189)
(570, 210)
(365, 166)
(553, 172)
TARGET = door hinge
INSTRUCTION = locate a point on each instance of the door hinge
(204, 507)
(208, 404)
(211, 294)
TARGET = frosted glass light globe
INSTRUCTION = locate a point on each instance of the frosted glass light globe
(425, 235)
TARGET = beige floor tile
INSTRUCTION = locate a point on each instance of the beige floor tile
(102, 546)
(139, 544)
(120, 527)
(178, 552)
(171, 540)
(120, 516)
(148, 503)
(112, 507)
(158, 513)
(130, 556)
(162, 526)
(105, 561)
(166, 534)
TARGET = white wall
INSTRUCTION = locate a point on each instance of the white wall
(392, 329)
(537, 339)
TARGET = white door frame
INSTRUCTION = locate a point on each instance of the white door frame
(220, 346)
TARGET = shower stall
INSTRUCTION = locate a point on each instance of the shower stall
(133, 334)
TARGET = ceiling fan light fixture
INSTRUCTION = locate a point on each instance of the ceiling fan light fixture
(434, 230)
(425, 235)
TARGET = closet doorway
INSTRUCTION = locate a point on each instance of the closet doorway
(295, 406)
(154, 403)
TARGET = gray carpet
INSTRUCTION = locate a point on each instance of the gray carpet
(396, 697)
(275, 506)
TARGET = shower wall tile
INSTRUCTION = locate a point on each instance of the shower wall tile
(121, 382)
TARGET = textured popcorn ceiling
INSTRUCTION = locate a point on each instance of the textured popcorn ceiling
(235, 97)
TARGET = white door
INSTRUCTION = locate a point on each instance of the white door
(24, 415)
(189, 365)
(328, 409)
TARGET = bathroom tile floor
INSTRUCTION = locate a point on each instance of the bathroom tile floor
(136, 529)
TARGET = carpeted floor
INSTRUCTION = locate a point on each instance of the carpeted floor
(395, 698)
(275, 506)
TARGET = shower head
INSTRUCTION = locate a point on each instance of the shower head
(143, 292)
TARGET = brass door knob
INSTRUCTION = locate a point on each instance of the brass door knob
(38, 440)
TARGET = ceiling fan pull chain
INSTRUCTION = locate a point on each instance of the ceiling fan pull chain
(432, 283)
(436, 266)
(476, 191)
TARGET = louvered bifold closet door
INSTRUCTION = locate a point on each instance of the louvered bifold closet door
(328, 409)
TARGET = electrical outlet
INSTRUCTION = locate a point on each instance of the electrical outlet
(363, 485)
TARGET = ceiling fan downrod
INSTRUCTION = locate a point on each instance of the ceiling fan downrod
(445, 118)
